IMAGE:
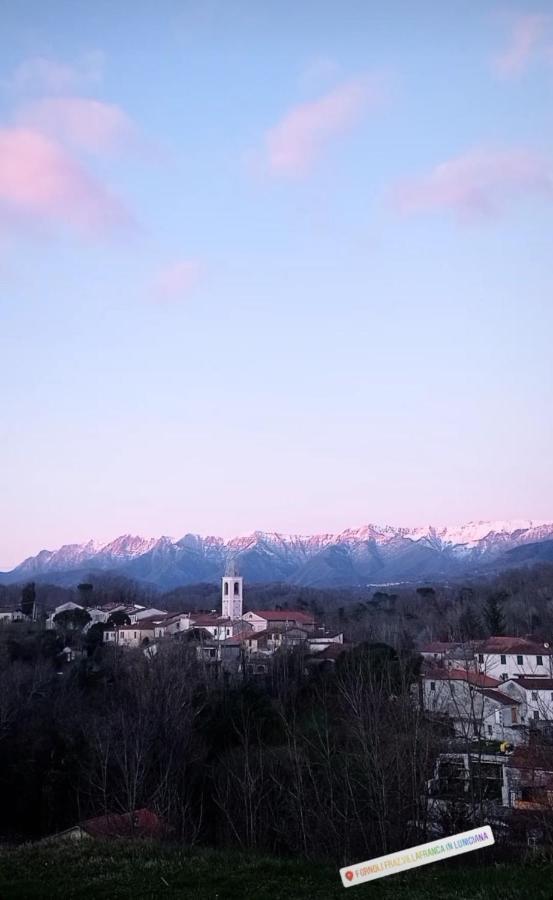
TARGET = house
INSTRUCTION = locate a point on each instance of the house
(272, 639)
(219, 627)
(449, 654)
(177, 622)
(261, 619)
(142, 823)
(131, 635)
(319, 642)
(506, 657)
(473, 704)
(7, 616)
(535, 695)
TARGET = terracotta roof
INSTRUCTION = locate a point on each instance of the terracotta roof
(142, 821)
(238, 638)
(503, 699)
(145, 625)
(477, 678)
(283, 615)
(267, 632)
(208, 619)
(506, 645)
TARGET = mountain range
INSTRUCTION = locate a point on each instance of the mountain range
(371, 555)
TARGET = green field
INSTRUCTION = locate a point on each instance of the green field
(143, 870)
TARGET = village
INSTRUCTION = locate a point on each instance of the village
(228, 640)
(488, 701)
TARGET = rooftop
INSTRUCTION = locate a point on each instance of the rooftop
(521, 645)
(503, 699)
(142, 821)
(479, 679)
(531, 683)
(283, 615)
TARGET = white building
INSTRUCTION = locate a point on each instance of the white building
(535, 695)
(474, 704)
(177, 623)
(507, 657)
(218, 627)
(13, 615)
(134, 635)
(320, 642)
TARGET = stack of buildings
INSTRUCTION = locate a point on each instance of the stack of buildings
(493, 701)
(231, 639)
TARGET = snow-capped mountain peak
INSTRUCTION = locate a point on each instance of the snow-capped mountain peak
(369, 554)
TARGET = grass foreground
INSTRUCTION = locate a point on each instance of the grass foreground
(91, 869)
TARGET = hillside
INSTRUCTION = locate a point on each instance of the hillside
(99, 871)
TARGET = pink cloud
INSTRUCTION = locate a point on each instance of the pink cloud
(40, 182)
(177, 279)
(526, 35)
(41, 74)
(86, 124)
(294, 144)
(478, 183)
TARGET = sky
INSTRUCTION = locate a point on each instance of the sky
(273, 266)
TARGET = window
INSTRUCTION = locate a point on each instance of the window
(520, 660)
(432, 683)
(480, 657)
(236, 588)
(504, 676)
(503, 660)
(534, 695)
(135, 635)
(226, 588)
(539, 660)
(535, 715)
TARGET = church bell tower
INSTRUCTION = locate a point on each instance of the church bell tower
(231, 591)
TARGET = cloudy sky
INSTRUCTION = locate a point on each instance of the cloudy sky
(281, 266)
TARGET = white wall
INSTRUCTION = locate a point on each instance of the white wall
(510, 664)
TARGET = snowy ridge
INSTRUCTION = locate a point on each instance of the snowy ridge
(353, 556)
